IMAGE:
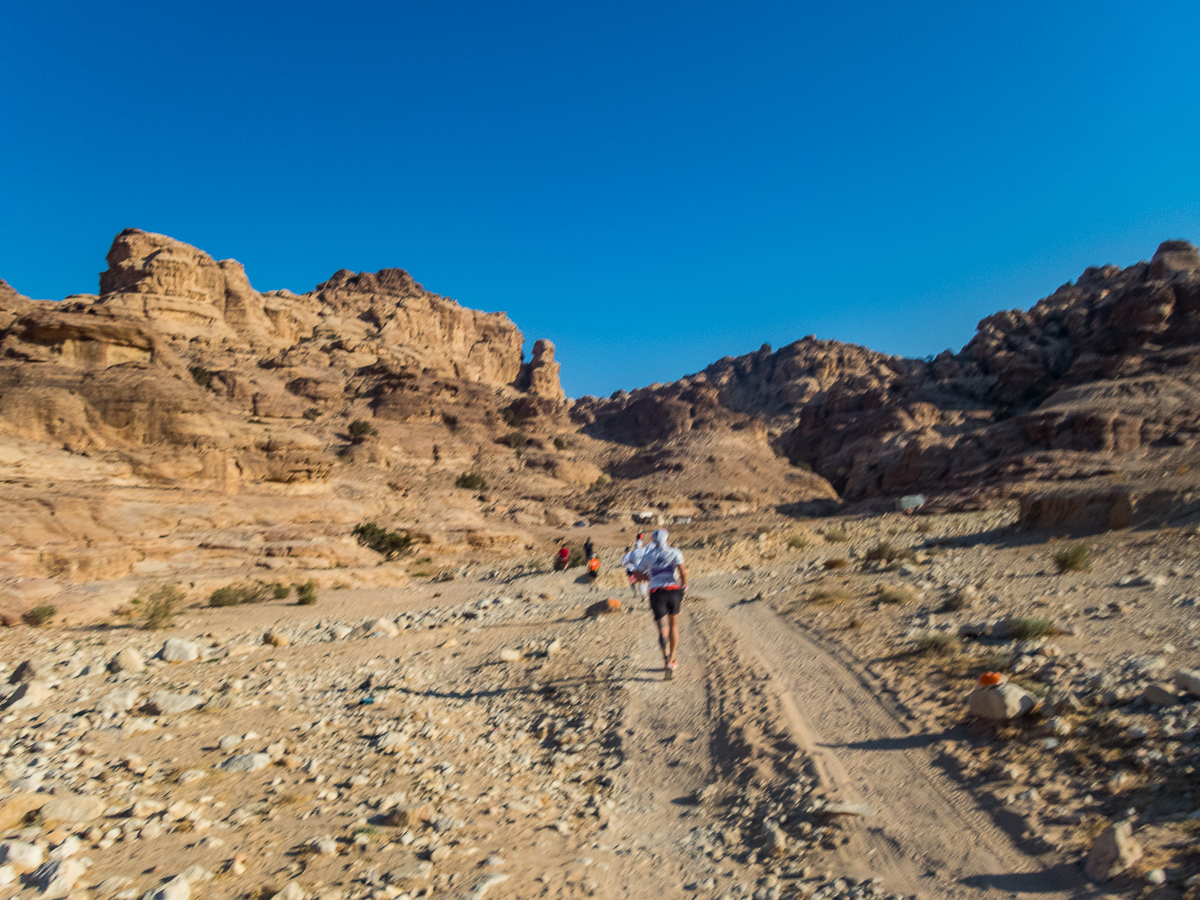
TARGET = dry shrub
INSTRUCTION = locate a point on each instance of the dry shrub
(1074, 559)
(831, 594)
(836, 563)
(938, 643)
(885, 552)
(836, 534)
(896, 594)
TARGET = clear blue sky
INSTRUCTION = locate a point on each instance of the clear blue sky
(652, 185)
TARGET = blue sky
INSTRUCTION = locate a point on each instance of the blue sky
(651, 185)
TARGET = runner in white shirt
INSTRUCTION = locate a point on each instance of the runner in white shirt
(658, 567)
(631, 561)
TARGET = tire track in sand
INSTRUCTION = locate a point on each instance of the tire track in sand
(929, 836)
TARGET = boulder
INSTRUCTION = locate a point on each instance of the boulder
(177, 650)
(246, 762)
(165, 703)
(29, 694)
(57, 878)
(1113, 852)
(127, 660)
(30, 670)
(21, 856)
(72, 810)
(1188, 681)
(1000, 702)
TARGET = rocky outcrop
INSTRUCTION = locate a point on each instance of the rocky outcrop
(539, 376)
(1102, 371)
(421, 331)
(179, 365)
(185, 293)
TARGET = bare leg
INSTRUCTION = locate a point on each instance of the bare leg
(663, 637)
(672, 630)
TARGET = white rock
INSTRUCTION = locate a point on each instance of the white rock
(21, 856)
(57, 878)
(325, 845)
(291, 891)
(31, 693)
(177, 650)
(510, 655)
(165, 703)
(480, 888)
(128, 660)
(246, 762)
(118, 701)
(68, 848)
(391, 742)
(999, 702)
(383, 626)
(229, 741)
(7, 875)
(72, 810)
(178, 888)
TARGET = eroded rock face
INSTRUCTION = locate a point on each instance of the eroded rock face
(1099, 371)
(423, 330)
(540, 375)
(184, 291)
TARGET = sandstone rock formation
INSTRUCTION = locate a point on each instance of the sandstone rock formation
(1089, 380)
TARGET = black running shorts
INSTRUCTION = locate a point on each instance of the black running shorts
(665, 602)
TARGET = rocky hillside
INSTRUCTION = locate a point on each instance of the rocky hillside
(130, 419)
(1098, 379)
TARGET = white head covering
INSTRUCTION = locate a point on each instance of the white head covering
(659, 537)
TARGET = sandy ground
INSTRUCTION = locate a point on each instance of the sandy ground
(500, 742)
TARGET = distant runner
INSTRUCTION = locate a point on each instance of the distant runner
(593, 568)
(589, 549)
(658, 567)
(631, 560)
(563, 556)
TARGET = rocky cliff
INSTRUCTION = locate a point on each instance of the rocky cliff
(167, 362)
(1090, 380)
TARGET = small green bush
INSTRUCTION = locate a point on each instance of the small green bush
(312, 414)
(938, 642)
(201, 376)
(472, 481)
(306, 594)
(515, 439)
(797, 542)
(39, 615)
(360, 429)
(390, 543)
(831, 595)
(157, 605)
(576, 558)
(560, 444)
(510, 417)
(242, 594)
(1074, 559)
(835, 534)
(896, 593)
(1031, 627)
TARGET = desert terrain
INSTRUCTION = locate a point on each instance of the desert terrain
(282, 619)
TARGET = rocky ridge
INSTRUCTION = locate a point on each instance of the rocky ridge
(1092, 381)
